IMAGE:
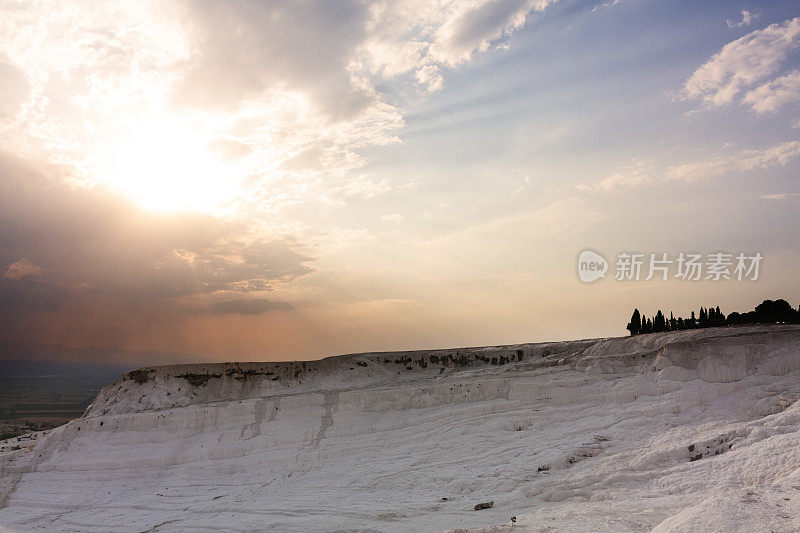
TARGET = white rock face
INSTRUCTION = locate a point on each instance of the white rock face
(686, 431)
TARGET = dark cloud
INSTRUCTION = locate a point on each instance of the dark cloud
(88, 243)
(248, 307)
(30, 295)
(240, 49)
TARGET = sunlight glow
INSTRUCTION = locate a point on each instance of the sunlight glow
(166, 165)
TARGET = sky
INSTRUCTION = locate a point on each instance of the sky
(251, 180)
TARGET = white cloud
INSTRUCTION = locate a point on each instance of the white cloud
(769, 97)
(290, 86)
(603, 5)
(394, 218)
(747, 19)
(628, 176)
(525, 183)
(781, 196)
(14, 88)
(420, 37)
(337, 238)
(474, 26)
(742, 63)
(357, 187)
(430, 77)
(638, 173)
(777, 155)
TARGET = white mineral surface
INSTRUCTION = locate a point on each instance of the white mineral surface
(685, 431)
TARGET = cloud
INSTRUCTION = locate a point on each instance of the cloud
(742, 63)
(240, 50)
(603, 5)
(769, 97)
(87, 243)
(639, 173)
(423, 37)
(777, 155)
(394, 218)
(21, 269)
(274, 99)
(430, 76)
(14, 87)
(28, 295)
(474, 28)
(357, 187)
(628, 176)
(747, 19)
(781, 196)
(526, 181)
(248, 307)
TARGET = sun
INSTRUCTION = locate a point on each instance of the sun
(166, 165)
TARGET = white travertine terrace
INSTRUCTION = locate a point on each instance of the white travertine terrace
(690, 430)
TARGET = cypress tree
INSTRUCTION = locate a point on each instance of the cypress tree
(658, 322)
(635, 325)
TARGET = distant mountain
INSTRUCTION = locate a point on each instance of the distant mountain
(33, 351)
(37, 369)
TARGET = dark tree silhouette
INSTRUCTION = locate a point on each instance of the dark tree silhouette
(659, 324)
(767, 312)
(635, 325)
(777, 311)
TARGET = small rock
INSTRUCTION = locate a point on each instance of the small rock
(484, 505)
